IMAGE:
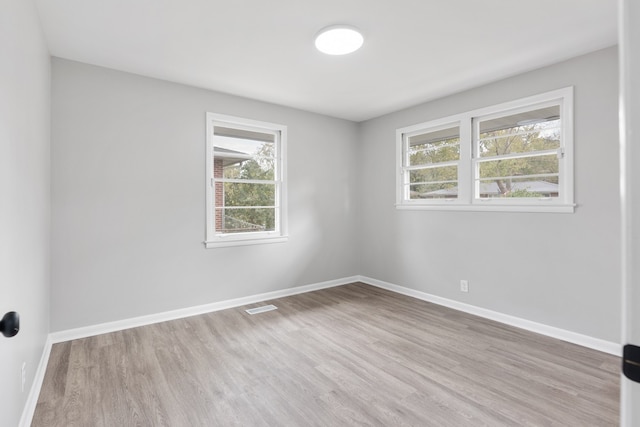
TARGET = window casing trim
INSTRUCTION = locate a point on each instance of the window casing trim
(469, 122)
(280, 234)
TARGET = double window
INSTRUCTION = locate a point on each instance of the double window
(516, 156)
(246, 187)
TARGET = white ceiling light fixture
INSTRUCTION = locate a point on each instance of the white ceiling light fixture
(339, 40)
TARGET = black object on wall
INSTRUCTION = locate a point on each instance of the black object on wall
(10, 324)
(631, 362)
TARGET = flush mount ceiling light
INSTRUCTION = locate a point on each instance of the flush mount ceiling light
(338, 40)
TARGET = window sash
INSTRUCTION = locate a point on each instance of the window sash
(246, 181)
(432, 165)
(524, 132)
(520, 155)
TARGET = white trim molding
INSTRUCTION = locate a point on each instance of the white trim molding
(32, 399)
(540, 328)
(119, 325)
(551, 331)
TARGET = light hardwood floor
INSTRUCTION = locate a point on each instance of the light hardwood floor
(350, 355)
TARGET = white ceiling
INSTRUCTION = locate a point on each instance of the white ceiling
(414, 51)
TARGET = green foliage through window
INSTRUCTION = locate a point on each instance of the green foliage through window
(247, 195)
(537, 145)
(431, 155)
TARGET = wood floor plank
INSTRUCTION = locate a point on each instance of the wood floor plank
(349, 355)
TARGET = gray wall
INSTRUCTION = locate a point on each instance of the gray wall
(128, 206)
(128, 159)
(24, 198)
(558, 269)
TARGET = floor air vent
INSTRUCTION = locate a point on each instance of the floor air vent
(261, 309)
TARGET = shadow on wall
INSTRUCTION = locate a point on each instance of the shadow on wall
(304, 230)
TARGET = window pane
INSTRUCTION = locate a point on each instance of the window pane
(433, 191)
(547, 164)
(519, 187)
(435, 174)
(434, 147)
(258, 169)
(528, 131)
(243, 220)
(445, 153)
(434, 183)
(240, 194)
(241, 148)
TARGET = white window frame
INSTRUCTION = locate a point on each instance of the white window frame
(467, 165)
(280, 234)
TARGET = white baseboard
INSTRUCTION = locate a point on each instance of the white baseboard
(562, 334)
(32, 399)
(550, 331)
(119, 325)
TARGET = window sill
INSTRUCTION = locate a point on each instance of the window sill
(492, 208)
(226, 242)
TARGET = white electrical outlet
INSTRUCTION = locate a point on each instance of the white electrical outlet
(24, 374)
(464, 286)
